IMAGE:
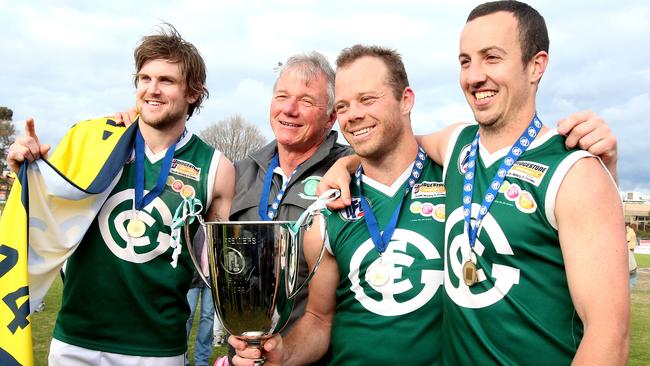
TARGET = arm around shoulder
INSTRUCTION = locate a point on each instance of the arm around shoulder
(435, 143)
(592, 237)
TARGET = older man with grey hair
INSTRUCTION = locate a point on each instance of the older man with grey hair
(302, 115)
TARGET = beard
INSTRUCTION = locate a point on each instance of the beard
(380, 146)
(165, 121)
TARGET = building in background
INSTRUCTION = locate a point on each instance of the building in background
(637, 212)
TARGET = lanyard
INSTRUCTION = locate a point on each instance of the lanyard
(519, 147)
(266, 213)
(381, 240)
(141, 200)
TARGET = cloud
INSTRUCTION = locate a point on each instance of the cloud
(70, 60)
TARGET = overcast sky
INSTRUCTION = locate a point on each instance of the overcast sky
(65, 61)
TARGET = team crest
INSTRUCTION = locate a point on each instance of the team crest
(353, 212)
(310, 184)
(113, 218)
(412, 268)
(493, 286)
(463, 158)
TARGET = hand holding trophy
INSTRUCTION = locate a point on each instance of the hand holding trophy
(254, 268)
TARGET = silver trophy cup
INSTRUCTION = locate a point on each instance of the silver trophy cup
(254, 267)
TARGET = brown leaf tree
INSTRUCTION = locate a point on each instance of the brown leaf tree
(7, 135)
(234, 137)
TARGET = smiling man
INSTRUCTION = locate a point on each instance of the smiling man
(535, 259)
(124, 296)
(278, 182)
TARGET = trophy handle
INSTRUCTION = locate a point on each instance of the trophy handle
(311, 274)
(190, 246)
(317, 208)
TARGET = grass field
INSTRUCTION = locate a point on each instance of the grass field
(643, 260)
(43, 322)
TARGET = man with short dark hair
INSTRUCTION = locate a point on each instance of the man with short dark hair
(528, 221)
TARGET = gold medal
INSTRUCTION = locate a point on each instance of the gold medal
(469, 273)
(136, 228)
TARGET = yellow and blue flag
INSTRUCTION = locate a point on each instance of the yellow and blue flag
(50, 207)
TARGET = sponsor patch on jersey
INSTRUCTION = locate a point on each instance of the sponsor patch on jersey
(309, 185)
(428, 190)
(427, 209)
(177, 185)
(528, 171)
(185, 169)
(463, 158)
(523, 199)
(526, 203)
(438, 213)
(353, 212)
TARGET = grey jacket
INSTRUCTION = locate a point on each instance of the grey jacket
(300, 193)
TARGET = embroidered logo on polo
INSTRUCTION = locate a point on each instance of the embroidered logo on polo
(428, 190)
(113, 218)
(487, 291)
(353, 212)
(408, 288)
(463, 158)
(185, 169)
(310, 185)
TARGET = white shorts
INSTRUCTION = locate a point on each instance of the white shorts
(63, 354)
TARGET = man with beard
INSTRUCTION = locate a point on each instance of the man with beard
(124, 298)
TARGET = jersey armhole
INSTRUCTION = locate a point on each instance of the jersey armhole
(212, 175)
(557, 179)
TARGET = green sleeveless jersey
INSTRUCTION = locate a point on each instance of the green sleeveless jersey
(399, 322)
(520, 312)
(122, 294)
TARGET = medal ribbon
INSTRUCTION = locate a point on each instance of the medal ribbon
(141, 200)
(381, 240)
(189, 208)
(266, 213)
(516, 150)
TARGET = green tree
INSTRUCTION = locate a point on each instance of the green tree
(7, 135)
